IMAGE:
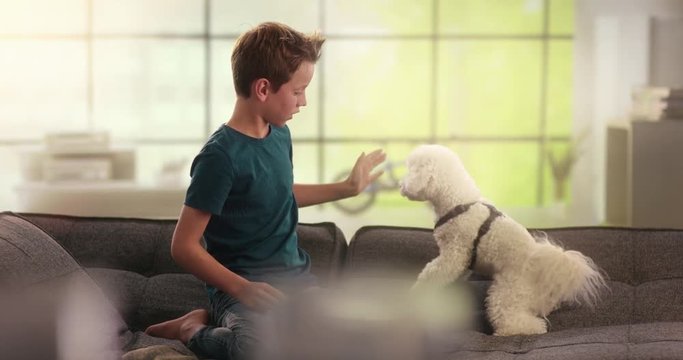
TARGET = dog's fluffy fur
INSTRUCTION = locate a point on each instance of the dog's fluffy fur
(531, 275)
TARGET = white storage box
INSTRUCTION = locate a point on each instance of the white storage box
(77, 142)
(77, 169)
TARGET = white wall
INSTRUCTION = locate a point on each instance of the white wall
(614, 51)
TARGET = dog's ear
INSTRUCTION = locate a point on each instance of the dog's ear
(428, 170)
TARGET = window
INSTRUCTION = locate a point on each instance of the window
(490, 79)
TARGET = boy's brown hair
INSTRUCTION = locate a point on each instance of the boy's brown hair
(272, 51)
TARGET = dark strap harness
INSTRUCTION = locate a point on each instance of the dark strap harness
(483, 229)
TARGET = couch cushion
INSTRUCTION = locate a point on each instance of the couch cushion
(389, 250)
(660, 300)
(629, 255)
(157, 352)
(327, 246)
(32, 261)
(137, 245)
(143, 246)
(30, 257)
(642, 265)
(143, 301)
(610, 248)
(638, 341)
(615, 307)
(130, 259)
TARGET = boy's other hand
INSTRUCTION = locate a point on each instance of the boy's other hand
(258, 296)
(361, 176)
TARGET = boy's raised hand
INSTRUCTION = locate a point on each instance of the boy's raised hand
(361, 176)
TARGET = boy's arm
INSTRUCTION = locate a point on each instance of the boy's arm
(357, 181)
(188, 252)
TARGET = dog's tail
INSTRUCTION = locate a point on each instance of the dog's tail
(562, 276)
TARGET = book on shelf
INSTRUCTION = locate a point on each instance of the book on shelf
(657, 92)
(657, 103)
(77, 142)
(77, 169)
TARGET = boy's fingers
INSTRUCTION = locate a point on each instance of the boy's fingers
(265, 300)
(377, 154)
(376, 157)
(376, 175)
(277, 294)
(273, 292)
(265, 296)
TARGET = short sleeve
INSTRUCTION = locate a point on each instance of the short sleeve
(289, 144)
(212, 179)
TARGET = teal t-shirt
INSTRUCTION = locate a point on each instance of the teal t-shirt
(246, 184)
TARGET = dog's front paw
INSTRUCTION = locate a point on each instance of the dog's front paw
(522, 324)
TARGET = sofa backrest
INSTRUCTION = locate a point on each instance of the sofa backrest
(143, 245)
(131, 260)
(643, 267)
(644, 270)
(136, 245)
(389, 251)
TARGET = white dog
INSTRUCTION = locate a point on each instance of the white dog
(531, 276)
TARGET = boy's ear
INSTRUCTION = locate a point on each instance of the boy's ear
(261, 88)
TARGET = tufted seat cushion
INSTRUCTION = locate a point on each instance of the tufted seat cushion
(635, 341)
(143, 301)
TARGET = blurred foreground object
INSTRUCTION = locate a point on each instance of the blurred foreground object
(60, 320)
(364, 319)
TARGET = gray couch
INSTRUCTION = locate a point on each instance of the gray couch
(641, 317)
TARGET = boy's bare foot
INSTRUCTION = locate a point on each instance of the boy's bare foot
(181, 328)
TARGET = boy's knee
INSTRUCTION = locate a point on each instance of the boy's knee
(244, 340)
(237, 343)
(243, 347)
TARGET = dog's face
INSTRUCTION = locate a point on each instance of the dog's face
(419, 178)
(435, 171)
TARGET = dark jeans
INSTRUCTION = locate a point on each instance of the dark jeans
(232, 330)
(230, 334)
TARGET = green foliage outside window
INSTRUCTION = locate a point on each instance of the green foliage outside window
(493, 82)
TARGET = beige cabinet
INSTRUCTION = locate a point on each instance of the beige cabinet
(645, 174)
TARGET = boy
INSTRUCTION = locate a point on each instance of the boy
(242, 199)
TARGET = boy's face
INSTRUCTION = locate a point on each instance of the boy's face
(284, 103)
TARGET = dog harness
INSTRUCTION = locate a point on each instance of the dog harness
(483, 229)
